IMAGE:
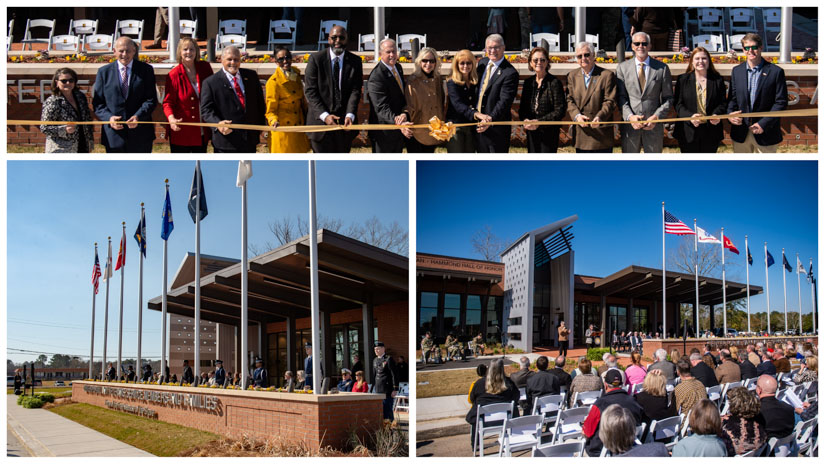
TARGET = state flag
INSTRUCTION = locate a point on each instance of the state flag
(769, 259)
(140, 233)
(785, 263)
(800, 268)
(167, 225)
(197, 195)
(750, 258)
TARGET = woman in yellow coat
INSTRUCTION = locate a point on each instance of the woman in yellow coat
(286, 106)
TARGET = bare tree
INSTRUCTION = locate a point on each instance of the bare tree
(487, 244)
(283, 230)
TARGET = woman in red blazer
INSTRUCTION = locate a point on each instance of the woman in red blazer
(182, 100)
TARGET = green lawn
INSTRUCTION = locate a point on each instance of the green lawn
(153, 436)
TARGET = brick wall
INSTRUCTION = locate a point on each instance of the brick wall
(315, 420)
(650, 346)
(797, 131)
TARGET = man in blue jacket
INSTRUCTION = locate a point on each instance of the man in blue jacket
(756, 86)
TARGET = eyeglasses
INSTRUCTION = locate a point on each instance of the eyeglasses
(539, 60)
(66, 81)
(584, 55)
(750, 48)
(465, 63)
(640, 44)
(428, 61)
(281, 59)
(337, 37)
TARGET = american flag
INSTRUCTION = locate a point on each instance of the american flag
(675, 226)
(96, 273)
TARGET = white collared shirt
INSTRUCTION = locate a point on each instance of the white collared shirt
(332, 58)
(496, 64)
(231, 79)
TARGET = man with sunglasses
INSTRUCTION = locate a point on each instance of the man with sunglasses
(591, 97)
(332, 85)
(756, 86)
(645, 94)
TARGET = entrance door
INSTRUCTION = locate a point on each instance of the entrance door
(536, 330)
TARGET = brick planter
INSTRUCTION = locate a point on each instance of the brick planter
(650, 346)
(315, 420)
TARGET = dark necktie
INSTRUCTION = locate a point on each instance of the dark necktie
(336, 90)
(124, 81)
(238, 91)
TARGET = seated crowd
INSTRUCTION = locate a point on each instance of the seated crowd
(474, 92)
(700, 404)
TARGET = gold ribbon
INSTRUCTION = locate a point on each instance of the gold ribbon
(808, 112)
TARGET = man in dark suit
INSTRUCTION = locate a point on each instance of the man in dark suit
(385, 93)
(542, 382)
(384, 377)
(332, 85)
(776, 416)
(111, 373)
(702, 372)
(220, 373)
(124, 91)
(308, 365)
(565, 380)
(498, 84)
(188, 376)
(756, 86)
(746, 368)
(766, 366)
(233, 96)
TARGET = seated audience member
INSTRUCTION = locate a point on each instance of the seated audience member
(236, 379)
(614, 394)
(610, 362)
(346, 382)
(701, 371)
(635, 372)
(520, 378)
(753, 356)
(654, 398)
(808, 371)
(427, 346)
(617, 431)
(301, 380)
(728, 371)
(781, 362)
(706, 425)
(289, 378)
(360, 385)
(496, 388)
(667, 368)
(741, 432)
(558, 370)
(766, 367)
(481, 371)
(689, 391)
(587, 380)
(746, 368)
(542, 382)
(776, 416)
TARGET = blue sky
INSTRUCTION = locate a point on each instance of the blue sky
(57, 210)
(619, 209)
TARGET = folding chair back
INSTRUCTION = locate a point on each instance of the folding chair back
(711, 42)
(593, 39)
(568, 449)
(82, 27)
(666, 429)
(10, 36)
(520, 433)
(569, 423)
(742, 20)
(404, 41)
(549, 406)
(282, 32)
(99, 43)
(232, 26)
(782, 447)
(771, 20)
(489, 421)
(710, 20)
(225, 40)
(66, 43)
(803, 434)
(129, 27)
(189, 27)
(586, 398)
(29, 38)
(553, 41)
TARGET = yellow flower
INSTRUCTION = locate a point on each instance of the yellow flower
(306, 57)
(363, 58)
(82, 57)
(665, 60)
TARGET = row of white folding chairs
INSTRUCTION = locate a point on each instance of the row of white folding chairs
(740, 21)
(88, 43)
(554, 41)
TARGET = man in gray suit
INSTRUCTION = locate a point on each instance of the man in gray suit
(645, 95)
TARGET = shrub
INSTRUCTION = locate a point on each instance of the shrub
(32, 402)
(46, 397)
(595, 354)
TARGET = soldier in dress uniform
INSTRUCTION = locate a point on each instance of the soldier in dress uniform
(188, 376)
(308, 366)
(220, 373)
(260, 377)
(384, 377)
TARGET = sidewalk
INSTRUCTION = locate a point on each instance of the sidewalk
(45, 434)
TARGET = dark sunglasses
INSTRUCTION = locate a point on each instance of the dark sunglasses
(539, 60)
(750, 48)
(337, 37)
(283, 58)
(468, 63)
(585, 55)
(640, 44)
(428, 61)
(66, 81)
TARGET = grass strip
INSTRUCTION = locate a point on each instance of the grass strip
(153, 436)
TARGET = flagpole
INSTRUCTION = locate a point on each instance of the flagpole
(799, 291)
(724, 291)
(313, 279)
(244, 292)
(748, 281)
(767, 289)
(664, 280)
(164, 298)
(94, 297)
(106, 314)
(120, 322)
(784, 290)
(696, 272)
(197, 274)
(813, 299)
(140, 292)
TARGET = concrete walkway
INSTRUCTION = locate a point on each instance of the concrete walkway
(45, 434)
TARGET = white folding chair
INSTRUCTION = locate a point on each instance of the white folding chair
(665, 430)
(813, 451)
(586, 398)
(569, 424)
(99, 43)
(28, 37)
(10, 36)
(324, 29)
(750, 384)
(592, 38)
(711, 42)
(754, 453)
(522, 394)
(130, 27)
(65, 43)
(189, 27)
(82, 27)
(549, 406)
(404, 41)
(402, 398)
(710, 20)
(281, 32)
(232, 26)
(366, 42)
(605, 453)
(519, 434)
(489, 422)
(671, 384)
(803, 434)
(553, 41)
(771, 21)
(225, 40)
(637, 388)
(783, 447)
(640, 432)
(568, 449)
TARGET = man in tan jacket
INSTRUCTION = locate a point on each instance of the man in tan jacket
(728, 371)
(564, 334)
(591, 96)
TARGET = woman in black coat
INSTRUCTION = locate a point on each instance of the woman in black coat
(461, 102)
(496, 387)
(700, 80)
(542, 99)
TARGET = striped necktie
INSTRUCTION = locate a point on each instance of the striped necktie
(124, 81)
(484, 84)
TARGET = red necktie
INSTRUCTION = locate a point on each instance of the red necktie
(238, 91)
